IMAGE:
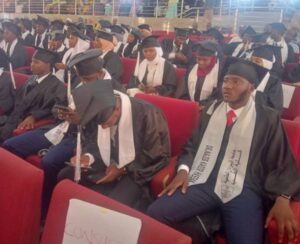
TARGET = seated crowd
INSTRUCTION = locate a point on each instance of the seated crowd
(236, 171)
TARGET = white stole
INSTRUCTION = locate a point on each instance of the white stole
(159, 72)
(231, 175)
(210, 82)
(126, 139)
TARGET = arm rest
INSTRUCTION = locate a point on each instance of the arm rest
(297, 119)
(272, 229)
(37, 124)
(161, 179)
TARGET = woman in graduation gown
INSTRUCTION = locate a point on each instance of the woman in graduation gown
(131, 47)
(78, 43)
(269, 90)
(112, 62)
(154, 75)
(202, 79)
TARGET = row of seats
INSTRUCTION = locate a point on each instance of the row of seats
(182, 117)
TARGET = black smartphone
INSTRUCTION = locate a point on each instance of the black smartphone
(82, 167)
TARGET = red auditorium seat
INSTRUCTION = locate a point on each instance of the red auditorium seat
(288, 67)
(20, 200)
(294, 109)
(26, 69)
(151, 232)
(128, 69)
(292, 129)
(182, 117)
(20, 79)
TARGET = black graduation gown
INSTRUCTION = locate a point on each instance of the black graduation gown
(113, 65)
(61, 54)
(272, 95)
(167, 47)
(229, 48)
(6, 94)
(184, 90)
(272, 169)
(168, 86)
(38, 102)
(19, 56)
(45, 41)
(29, 40)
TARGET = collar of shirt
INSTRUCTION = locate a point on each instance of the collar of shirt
(39, 80)
(26, 33)
(237, 112)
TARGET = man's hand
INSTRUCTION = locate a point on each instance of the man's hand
(60, 66)
(27, 123)
(180, 180)
(111, 174)
(179, 56)
(285, 218)
(71, 116)
(84, 161)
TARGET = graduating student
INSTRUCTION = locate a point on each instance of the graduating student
(269, 89)
(26, 27)
(202, 80)
(56, 43)
(59, 139)
(240, 50)
(235, 165)
(41, 29)
(78, 43)
(14, 48)
(277, 39)
(119, 32)
(37, 96)
(6, 87)
(129, 145)
(155, 75)
(132, 43)
(112, 62)
(177, 51)
(56, 25)
(145, 30)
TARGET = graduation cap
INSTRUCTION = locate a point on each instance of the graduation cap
(12, 27)
(73, 30)
(150, 41)
(268, 53)
(144, 26)
(260, 38)
(57, 35)
(27, 24)
(104, 35)
(45, 55)
(104, 23)
(135, 32)
(126, 27)
(278, 27)
(94, 101)
(117, 29)
(42, 21)
(215, 34)
(249, 31)
(243, 68)
(87, 62)
(182, 32)
(206, 48)
(58, 24)
(80, 25)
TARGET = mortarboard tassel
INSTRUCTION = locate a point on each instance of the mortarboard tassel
(12, 76)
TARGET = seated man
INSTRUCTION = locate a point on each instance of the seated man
(154, 75)
(37, 96)
(177, 51)
(235, 165)
(125, 144)
(59, 139)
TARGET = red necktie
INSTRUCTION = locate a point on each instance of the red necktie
(230, 117)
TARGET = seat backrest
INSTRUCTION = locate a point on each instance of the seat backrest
(151, 232)
(20, 200)
(128, 69)
(292, 130)
(180, 74)
(20, 79)
(181, 115)
(294, 109)
(30, 51)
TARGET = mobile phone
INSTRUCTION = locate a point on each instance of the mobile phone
(63, 108)
(81, 166)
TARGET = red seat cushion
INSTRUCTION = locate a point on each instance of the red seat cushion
(294, 109)
(30, 51)
(20, 200)
(35, 160)
(151, 232)
(20, 79)
(128, 69)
